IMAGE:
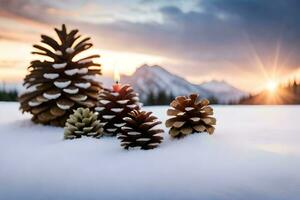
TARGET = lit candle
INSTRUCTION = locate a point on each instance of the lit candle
(117, 85)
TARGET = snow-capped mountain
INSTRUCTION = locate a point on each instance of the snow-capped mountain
(154, 79)
(223, 91)
(147, 79)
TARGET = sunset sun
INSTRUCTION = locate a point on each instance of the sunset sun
(272, 85)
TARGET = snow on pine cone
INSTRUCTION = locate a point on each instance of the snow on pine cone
(190, 115)
(60, 83)
(140, 131)
(113, 106)
(83, 123)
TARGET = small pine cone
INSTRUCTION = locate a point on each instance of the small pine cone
(140, 131)
(190, 115)
(59, 82)
(83, 122)
(114, 106)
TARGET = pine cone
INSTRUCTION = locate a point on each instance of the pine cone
(114, 106)
(189, 115)
(56, 87)
(83, 123)
(140, 131)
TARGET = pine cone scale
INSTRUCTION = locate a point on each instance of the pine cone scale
(189, 115)
(113, 107)
(83, 122)
(136, 134)
(58, 83)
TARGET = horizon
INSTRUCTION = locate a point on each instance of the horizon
(234, 41)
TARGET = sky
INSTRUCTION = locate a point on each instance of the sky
(244, 42)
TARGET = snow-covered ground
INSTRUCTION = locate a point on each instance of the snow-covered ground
(254, 154)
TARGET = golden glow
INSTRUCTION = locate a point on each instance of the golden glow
(126, 62)
(14, 60)
(13, 68)
(272, 85)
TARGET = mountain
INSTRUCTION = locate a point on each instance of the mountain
(223, 91)
(149, 80)
(154, 79)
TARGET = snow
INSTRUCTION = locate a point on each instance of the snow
(50, 75)
(254, 154)
(60, 84)
(108, 116)
(117, 110)
(70, 50)
(71, 72)
(123, 101)
(83, 71)
(59, 65)
(111, 129)
(134, 133)
(189, 108)
(115, 94)
(120, 125)
(83, 85)
(71, 90)
(58, 52)
(79, 97)
(155, 78)
(131, 106)
(63, 107)
(34, 103)
(32, 88)
(104, 102)
(51, 96)
(224, 90)
(99, 109)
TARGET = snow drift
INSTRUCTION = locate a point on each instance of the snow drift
(254, 154)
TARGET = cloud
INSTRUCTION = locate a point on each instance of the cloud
(202, 37)
(25, 9)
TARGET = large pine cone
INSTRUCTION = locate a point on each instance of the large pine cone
(140, 131)
(190, 115)
(83, 123)
(56, 87)
(114, 106)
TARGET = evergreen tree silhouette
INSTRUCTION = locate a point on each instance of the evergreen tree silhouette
(8, 95)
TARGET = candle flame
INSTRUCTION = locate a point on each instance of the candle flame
(117, 75)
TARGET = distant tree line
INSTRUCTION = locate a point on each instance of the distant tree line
(285, 94)
(164, 98)
(8, 95)
(161, 98)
